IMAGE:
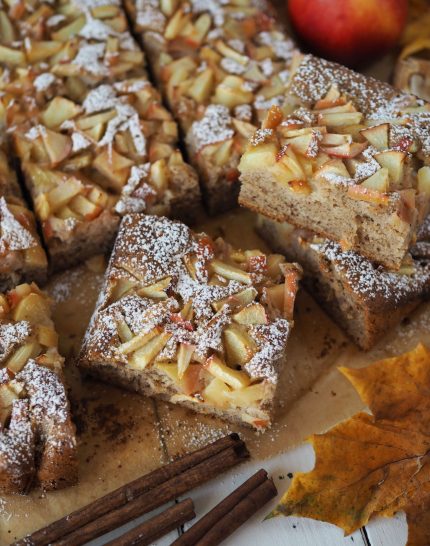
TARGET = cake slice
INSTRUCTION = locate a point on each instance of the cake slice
(80, 44)
(85, 163)
(365, 300)
(346, 157)
(37, 437)
(22, 257)
(220, 65)
(192, 321)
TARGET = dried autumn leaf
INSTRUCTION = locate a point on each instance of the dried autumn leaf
(374, 464)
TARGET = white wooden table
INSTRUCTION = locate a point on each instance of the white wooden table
(282, 531)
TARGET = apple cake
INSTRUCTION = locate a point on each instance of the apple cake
(87, 162)
(192, 320)
(37, 437)
(346, 157)
(22, 257)
(77, 44)
(221, 65)
(364, 299)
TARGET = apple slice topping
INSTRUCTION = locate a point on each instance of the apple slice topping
(377, 136)
(335, 142)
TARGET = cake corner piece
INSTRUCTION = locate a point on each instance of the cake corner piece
(22, 258)
(193, 321)
(37, 436)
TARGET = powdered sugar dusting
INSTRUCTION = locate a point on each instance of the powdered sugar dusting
(265, 363)
(35, 410)
(13, 235)
(126, 119)
(79, 142)
(377, 100)
(90, 58)
(215, 126)
(47, 395)
(44, 81)
(11, 335)
(17, 442)
(136, 193)
(374, 282)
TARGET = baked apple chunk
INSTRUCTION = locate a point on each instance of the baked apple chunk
(192, 320)
(22, 257)
(87, 163)
(37, 437)
(220, 65)
(346, 157)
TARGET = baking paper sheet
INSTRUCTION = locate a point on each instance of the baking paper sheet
(123, 435)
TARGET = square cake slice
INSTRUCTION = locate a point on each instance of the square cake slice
(22, 257)
(78, 44)
(365, 300)
(37, 437)
(88, 162)
(346, 157)
(220, 66)
(193, 321)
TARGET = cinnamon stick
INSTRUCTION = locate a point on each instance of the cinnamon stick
(199, 529)
(230, 513)
(158, 526)
(128, 492)
(165, 492)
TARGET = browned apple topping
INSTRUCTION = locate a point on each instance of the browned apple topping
(345, 156)
(73, 44)
(116, 152)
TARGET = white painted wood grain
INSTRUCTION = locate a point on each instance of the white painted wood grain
(383, 532)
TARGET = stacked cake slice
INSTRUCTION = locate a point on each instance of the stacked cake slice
(366, 300)
(346, 159)
(220, 65)
(193, 320)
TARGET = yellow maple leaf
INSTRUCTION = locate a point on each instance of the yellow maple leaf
(374, 464)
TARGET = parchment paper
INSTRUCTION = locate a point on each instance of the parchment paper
(122, 435)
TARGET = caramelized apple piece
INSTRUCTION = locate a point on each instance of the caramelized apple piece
(240, 346)
(146, 354)
(234, 378)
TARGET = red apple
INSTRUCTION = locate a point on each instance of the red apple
(348, 31)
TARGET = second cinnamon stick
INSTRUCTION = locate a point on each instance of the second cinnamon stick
(199, 529)
(241, 513)
(158, 526)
